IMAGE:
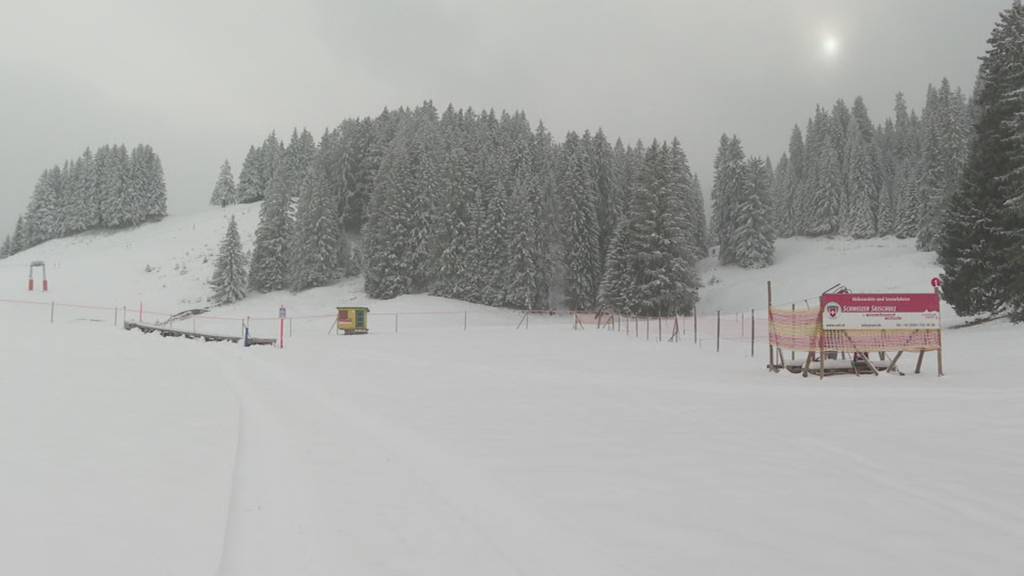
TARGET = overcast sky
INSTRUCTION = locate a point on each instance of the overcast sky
(200, 80)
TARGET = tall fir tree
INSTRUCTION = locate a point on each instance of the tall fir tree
(753, 241)
(650, 266)
(316, 243)
(861, 184)
(269, 269)
(397, 242)
(823, 192)
(580, 228)
(224, 192)
(945, 143)
(250, 186)
(603, 166)
(982, 248)
(730, 181)
(229, 272)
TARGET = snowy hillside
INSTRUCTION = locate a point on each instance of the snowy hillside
(448, 442)
(805, 268)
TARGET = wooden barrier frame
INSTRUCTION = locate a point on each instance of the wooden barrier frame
(818, 354)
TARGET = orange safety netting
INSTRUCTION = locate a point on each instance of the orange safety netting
(800, 330)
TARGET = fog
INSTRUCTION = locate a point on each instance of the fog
(201, 81)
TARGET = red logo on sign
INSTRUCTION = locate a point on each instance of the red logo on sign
(936, 282)
(833, 310)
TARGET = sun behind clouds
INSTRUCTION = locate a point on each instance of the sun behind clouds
(830, 45)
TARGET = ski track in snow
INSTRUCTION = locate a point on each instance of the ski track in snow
(300, 448)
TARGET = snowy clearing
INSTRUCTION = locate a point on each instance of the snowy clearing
(440, 450)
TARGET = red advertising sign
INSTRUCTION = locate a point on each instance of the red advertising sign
(880, 312)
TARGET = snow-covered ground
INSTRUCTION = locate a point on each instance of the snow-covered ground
(805, 268)
(460, 445)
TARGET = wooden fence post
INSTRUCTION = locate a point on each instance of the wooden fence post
(752, 352)
(718, 333)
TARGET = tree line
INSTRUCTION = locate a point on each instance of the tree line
(477, 206)
(108, 189)
(846, 175)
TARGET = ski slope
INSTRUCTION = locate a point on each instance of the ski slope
(460, 445)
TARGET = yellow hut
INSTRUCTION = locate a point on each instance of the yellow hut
(353, 320)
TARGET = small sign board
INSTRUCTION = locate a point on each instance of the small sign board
(880, 312)
(936, 282)
(282, 313)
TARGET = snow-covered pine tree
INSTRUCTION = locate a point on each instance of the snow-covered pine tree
(229, 272)
(396, 245)
(945, 143)
(450, 240)
(316, 243)
(860, 179)
(753, 243)
(982, 248)
(489, 250)
(154, 184)
(354, 146)
(906, 188)
(681, 179)
(524, 280)
(136, 196)
(63, 200)
(249, 179)
(782, 199)
(76, 208)
(580, 229)
(297, 157)
(19, 241)
(798, 183)
(730, 180)
(271, 157)
(7, 248)
(269, 269)
(603, 168)
(224, 192)
(885, 151)
(43, 219)
(544, 203)
(700, 217)
(111, 173)
(824, 183)
(649, 268)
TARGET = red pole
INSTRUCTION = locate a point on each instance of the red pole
(281, 341)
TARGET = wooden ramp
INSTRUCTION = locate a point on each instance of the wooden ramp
(175, 333)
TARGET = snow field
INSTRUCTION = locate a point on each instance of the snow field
(488, 451)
